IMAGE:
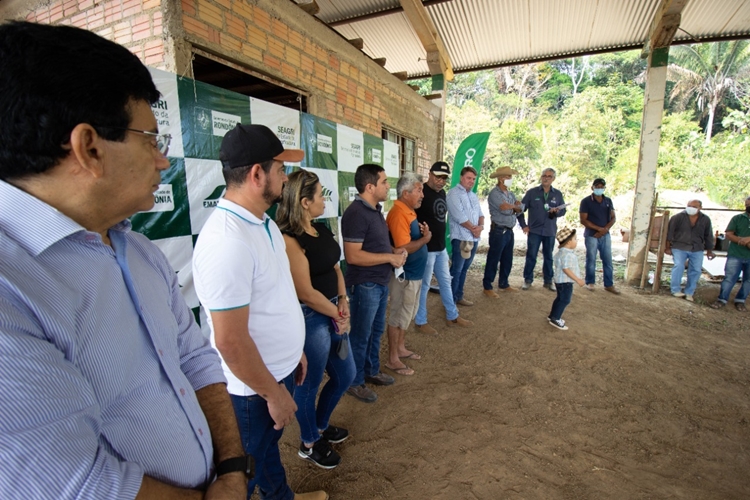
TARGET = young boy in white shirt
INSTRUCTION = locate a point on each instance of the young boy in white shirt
(567, 272)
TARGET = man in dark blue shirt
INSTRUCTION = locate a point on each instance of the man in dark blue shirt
(545, 204)
(598, 216)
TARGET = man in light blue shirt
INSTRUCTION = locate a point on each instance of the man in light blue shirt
(109, 389)
(466, 222)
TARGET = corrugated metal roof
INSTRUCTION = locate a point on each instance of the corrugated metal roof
(488, 33)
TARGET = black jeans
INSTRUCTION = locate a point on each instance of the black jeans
(564, 295)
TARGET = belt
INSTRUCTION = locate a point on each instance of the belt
(497, 226)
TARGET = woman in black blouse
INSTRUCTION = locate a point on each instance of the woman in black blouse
(314, 260)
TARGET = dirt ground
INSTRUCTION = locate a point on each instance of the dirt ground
(645, 396)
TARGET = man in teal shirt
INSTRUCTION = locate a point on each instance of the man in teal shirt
(738, 260)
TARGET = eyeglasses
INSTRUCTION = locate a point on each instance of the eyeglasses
(162, 140)
(547, 176)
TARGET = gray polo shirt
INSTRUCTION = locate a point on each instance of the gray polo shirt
(502, 218)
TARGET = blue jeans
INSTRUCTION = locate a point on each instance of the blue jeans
(437, 262)
(501, 251)
(564, 296)
(367, 304)
(604, 246)
(261, 440)
(732, 270)
(533, 242)
(459, 267)
(695, 264)
(321, 343)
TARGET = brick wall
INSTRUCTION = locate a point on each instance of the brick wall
(136, 24)
(272, 37)
(344, 85)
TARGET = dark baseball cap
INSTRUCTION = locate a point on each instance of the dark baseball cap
(599, 181)
(440, 168)
(247, 145)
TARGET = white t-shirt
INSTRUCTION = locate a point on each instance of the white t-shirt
(238, 261)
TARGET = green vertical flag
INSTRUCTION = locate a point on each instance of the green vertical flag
(470, 154)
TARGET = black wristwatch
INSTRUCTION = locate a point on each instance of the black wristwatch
(244, 464)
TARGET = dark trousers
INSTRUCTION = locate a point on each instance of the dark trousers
(501, 251)
(533, 243)
(564, 296)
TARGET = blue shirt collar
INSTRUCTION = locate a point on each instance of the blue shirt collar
(34, 224)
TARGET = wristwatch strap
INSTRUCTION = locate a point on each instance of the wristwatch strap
(244, 464)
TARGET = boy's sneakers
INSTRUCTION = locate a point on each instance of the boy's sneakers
(558, 323)
(321, 454)
(335, 435)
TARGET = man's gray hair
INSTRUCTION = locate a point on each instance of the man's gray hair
(549, 169)
(696, 199)
(407, 182)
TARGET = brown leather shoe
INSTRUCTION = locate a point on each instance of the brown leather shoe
(459, 321)
(427, 329)
(491, 294)
(612, 289)
(313, 495)
(464, 302)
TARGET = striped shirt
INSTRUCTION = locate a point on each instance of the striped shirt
(565, 258)
(100, 359)
(463, 206)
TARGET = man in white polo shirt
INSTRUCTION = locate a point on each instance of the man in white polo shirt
(243, 281)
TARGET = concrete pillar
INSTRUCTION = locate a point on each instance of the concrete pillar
(653, 107)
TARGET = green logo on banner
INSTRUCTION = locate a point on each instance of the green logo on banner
(327, 194)
(213, 199)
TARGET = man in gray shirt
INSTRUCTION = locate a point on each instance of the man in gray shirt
(688, 235)
(504, 209)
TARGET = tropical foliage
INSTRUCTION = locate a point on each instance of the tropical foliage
(583, 117)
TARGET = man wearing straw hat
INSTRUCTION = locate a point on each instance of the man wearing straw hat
(504, 208)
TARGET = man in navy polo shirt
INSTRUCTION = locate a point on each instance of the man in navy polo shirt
(370, 260)
(598, 216)
(545, 204)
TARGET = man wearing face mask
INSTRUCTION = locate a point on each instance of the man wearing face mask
(504, 208)
(597, 215)
(738, 260)
(688, 235)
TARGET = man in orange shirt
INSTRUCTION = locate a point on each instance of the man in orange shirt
(412, 236)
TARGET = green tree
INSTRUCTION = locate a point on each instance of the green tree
(708, 73)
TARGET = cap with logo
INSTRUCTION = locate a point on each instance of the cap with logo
(503, 171)
(565, 234)
(441, 169)
(246, 145)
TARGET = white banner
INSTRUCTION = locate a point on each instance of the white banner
(390, 159)
(350, 148)
(329, 179)
(179, 251)
(205, 185)
(167, 110)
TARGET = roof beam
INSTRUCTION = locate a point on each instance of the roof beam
(384, 12)
(438, 59)
(664, 25)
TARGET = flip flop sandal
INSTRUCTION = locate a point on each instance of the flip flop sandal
(413, 356)
(406, 371)
(740, 306)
